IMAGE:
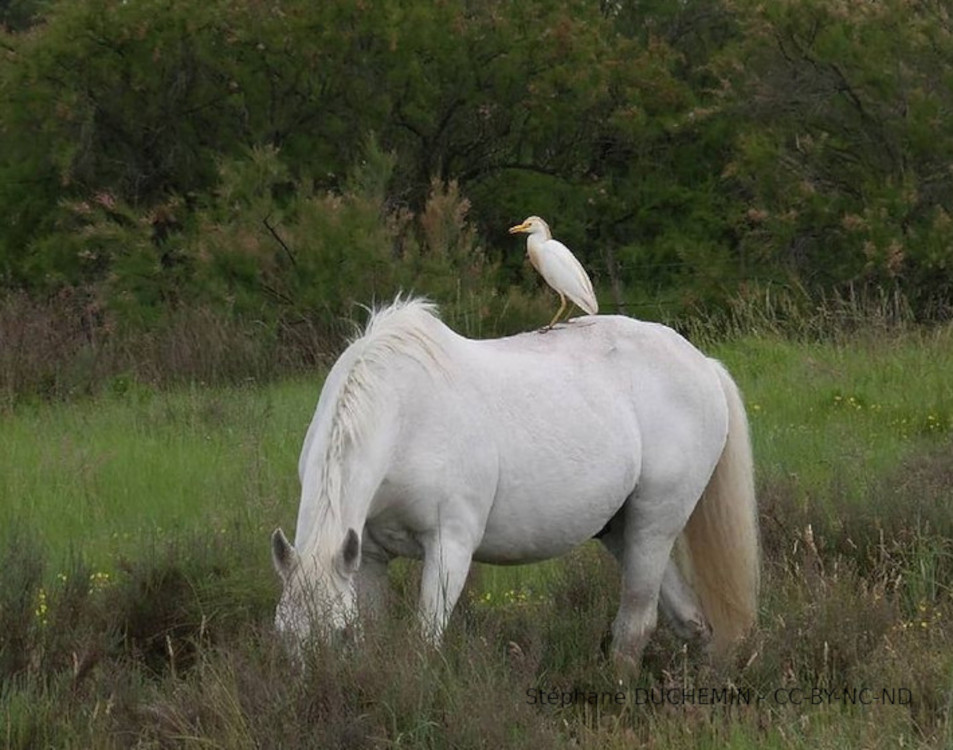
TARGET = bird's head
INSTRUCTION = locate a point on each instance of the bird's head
(532, 225)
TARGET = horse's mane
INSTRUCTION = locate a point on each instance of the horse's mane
(406, 328)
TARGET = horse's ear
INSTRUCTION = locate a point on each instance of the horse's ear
(283, 555)
(351, 551)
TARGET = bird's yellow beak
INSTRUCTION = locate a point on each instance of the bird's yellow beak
(518, 228)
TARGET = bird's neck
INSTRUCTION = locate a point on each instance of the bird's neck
(535, 239)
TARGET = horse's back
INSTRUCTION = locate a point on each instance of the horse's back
(613, 363)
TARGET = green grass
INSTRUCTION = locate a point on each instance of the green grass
(100, 476)
(861, 407)
(173, 494)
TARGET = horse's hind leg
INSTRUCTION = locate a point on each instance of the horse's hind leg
(654, 517)
(677, 600)
(681, 607)
(644, 562)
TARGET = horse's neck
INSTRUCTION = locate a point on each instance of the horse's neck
(340, 485)
(358, 423)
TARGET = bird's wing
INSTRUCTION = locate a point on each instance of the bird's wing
(559, 267)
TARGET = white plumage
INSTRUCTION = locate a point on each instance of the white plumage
(558, 267)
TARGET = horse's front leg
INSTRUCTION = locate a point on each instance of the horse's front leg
(373, 589)
(447, 556)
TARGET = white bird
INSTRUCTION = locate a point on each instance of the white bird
(558, 267)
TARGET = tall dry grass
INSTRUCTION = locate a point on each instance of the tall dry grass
(67, 345)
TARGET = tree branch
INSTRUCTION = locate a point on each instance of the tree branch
(274, 233)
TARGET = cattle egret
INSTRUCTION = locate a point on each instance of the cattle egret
(558, 267)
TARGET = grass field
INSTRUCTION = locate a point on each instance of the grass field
(136, 587)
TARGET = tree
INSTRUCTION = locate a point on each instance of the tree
(843, 149)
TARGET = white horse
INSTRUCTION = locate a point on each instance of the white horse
(429, 445)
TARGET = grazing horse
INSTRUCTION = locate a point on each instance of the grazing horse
(426, 444)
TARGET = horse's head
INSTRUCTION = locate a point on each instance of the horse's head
(319, 593)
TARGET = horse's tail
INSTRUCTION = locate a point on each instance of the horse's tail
(721, 537)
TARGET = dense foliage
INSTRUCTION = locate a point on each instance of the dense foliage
(280, 161)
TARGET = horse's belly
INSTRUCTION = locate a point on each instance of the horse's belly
(537, 522)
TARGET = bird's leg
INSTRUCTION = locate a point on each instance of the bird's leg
(559, 312)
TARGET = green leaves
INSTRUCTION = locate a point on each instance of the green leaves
(849, 98)
(662, 141)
